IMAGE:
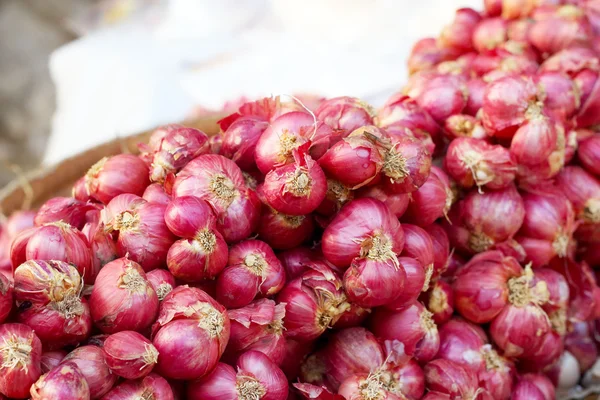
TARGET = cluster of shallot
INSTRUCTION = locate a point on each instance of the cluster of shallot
(441, 247)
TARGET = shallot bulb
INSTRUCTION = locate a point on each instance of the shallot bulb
(186, 216)
(178, 147)
(481, 220)
(354, 161)
(253, 269)
(473, 162)
(462, 125)
(458, 34)
(441, 247)
(63, 382)
(283, 231)
(534, 387)
(162, 282)
(106, 179)
(122, 298)
(190, 334)
(449, 378)
(440, 301)
(583, 190)
(143, 235)
(91, 362)
(51, 359)
(258, 326)
(348, 352)
(48, 297)
(363, 228)
(193, 260)
(297, 188)
(220, 182)
(548, 227)
(130, 355)
(396, 202)
(560, 94)
(344, 114)
(60, 241)
(412, 325)
(20, 360)
(566, 27)
(433, 200)
(588, 154)
(155, 193)
(336, 196)
(152, 386)
(580, 343)
(65, 209)
(417, 281)
(240, 139)
(402, 111)
(418, 245)
(314, 302)
(257, 377)
(441, 95)
(489, 34)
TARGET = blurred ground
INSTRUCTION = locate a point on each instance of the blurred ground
(29, 31)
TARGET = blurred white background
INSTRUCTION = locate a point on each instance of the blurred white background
(143, 63)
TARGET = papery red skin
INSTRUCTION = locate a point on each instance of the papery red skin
(441, 96)
(121, 203)
(458, 34)
(580, 343)
(441, 247)
(476, 88)
(103, 249)
(396, 202)
(402, 111)
(461, 342)
(162, 282)
(279, 195)
(270, 151)
(39, 288)
(362, 218)
(549, 221)
(238, 284)
(124, 352)
(153, 385)
(580, 187)
(6, 297)
(252, 329)
(418, 245)
(519, 330)
(406, 326)
(189, 261)
(560, 93)
(582, 285)
(177, 148)
(550, 35)
(240, 139)
(527, 385)
(534, 141)
(344, 114)
(185, 216)
(354, 316)
(352, 388)
(371, 283)
(219, 384)
(498, 381)
(296, 261)
(506, 101)
(295, 353)
(336, 196)
(64, 382)
(155, 193)
(66, 209)
(115, 308)
(489, 34)
(237, 217)
(16, 381)
(413, 285)
(410, 379)
(259, 366)
(62, 242)
(354, 161)
(417, 165)
(351, 351)
(282, 231)
(454, 263)
(496, 168)
(110, 181)
(91, 362)
(440, 301)
(51, 359)
(425, 54)
(557, 286)
(588, 152)
(307, 296)
(178, 332)
(571, 61)
(480, 286)
(309, 391)
(215, 143)
(447, 377)
(80, 191)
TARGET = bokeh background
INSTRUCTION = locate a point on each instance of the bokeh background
(76, 73)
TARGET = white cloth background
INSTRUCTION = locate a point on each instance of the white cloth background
(156, 67)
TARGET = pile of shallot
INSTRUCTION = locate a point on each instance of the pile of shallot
(441, 247)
